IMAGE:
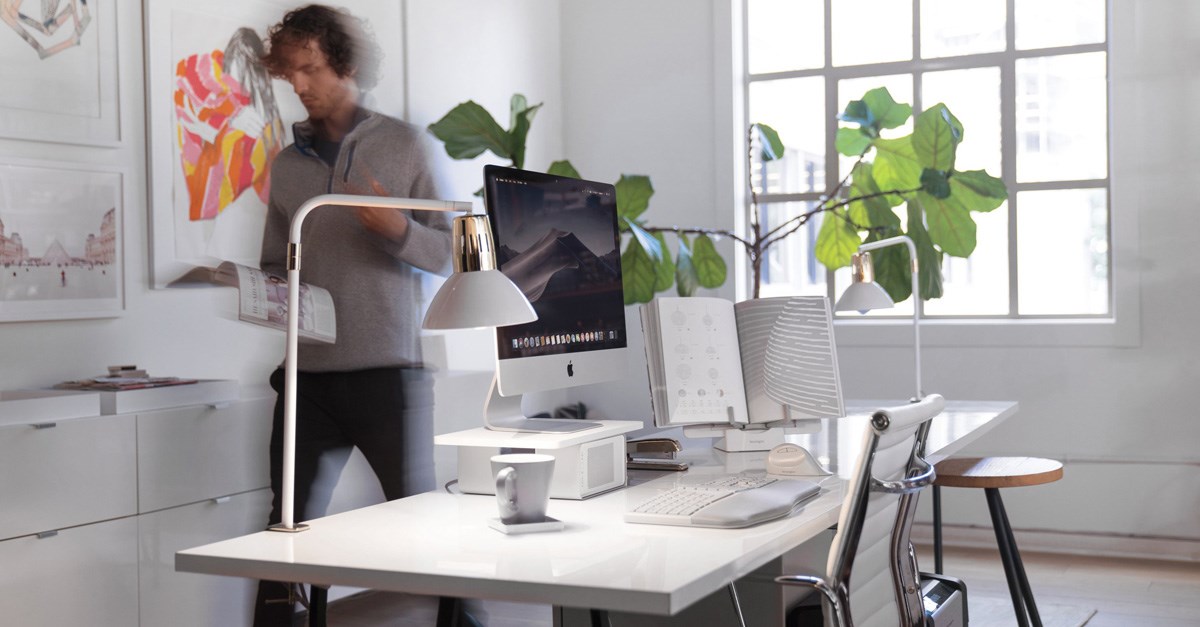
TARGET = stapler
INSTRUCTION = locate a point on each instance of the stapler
(653, 454)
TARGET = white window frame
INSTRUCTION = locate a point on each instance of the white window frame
(1121, 327)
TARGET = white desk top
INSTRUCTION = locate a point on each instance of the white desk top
(439, 543)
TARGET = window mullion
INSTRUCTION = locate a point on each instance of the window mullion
(1008, 147)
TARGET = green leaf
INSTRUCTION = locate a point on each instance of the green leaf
(935, 183)
(772, 147)
(896, 165)
(857, 112)
(836, 240)
(647, 241)
(710, 267)
(665, 268)
(950, 224)
(887, 112)
(468, 130)
(892, 270)
(518, 104)
(637, 273)
(852, 142)
(686, 277)
(929, 259)
(563, 168)
(873, 211)
(522, 118)
(935, 138)
(633, 195)
(977, 190)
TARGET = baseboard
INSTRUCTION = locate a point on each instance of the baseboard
(1172, 549)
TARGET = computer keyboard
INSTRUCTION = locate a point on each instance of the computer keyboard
(727, 501)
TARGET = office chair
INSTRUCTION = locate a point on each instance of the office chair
(870, 575)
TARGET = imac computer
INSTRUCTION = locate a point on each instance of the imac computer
(557, 239)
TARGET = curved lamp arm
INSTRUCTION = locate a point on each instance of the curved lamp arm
(912, 255)
(293, 323)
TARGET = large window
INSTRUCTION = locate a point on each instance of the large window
(1028, 80)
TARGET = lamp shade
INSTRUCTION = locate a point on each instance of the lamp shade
(483, 298)
(863, 297)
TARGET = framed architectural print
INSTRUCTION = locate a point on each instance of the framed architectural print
(216, 120)
(58, 61)
(61, 244)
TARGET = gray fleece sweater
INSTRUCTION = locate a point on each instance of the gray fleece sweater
(376, 289)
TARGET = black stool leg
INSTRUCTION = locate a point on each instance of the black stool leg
(1013, 571)
(318, 601)
(599, 618)
(937, 530)
(1006, 555)
(1022, 579)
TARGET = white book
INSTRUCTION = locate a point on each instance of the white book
(712, 362)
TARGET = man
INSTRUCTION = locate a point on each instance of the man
(358, 391)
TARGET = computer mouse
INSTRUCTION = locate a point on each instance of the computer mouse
(787, 459)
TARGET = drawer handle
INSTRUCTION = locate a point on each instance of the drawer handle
(222, 499)
(45, 425)
(220, 405)
(46, 534)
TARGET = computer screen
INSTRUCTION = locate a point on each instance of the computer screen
(557, 239)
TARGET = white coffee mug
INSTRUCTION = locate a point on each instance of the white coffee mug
(522, 486)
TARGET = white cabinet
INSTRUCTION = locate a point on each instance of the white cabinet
(195, 453)
(79, 576)
(93, 509)
(66, 473)
(184, 599)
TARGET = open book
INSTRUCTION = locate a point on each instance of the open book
(262, 299)
(761, 361)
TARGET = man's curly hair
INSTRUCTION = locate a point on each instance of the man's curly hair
(345, 40)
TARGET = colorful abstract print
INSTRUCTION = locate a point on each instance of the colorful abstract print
(226, 142)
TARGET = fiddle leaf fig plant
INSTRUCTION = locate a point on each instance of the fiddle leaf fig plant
(916, 171)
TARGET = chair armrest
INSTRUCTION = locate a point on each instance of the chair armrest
(820, 584)
(910, 484)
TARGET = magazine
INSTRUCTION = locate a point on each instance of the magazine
(262, 299)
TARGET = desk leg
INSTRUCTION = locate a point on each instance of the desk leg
(318, 601)
(599, 618)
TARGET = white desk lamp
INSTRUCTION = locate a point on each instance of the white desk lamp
(476, 295)
(864, 294)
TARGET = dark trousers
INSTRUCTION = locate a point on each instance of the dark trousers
(386, 412)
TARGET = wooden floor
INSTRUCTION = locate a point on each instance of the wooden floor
(1122, 592)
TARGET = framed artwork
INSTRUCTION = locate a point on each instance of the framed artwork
(58, 61)
(216, 120)
(61, 243)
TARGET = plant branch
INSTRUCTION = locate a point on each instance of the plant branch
(799, 221)
(696, 231)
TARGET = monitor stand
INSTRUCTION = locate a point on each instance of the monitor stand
(503, 413)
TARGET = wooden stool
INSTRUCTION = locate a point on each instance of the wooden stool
(991, 474)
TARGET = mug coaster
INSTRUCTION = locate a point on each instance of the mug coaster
(549, 524)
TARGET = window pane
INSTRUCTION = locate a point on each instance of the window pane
(785, 35)
(790, 267)
(1062, 252)
(871, 31)
(954, 27)
(900, 86)
(977, 285)
(1061, 112)
(796, 109)
(1041, 24)
(973, 96)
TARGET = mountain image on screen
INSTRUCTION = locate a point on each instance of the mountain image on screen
(557, 264)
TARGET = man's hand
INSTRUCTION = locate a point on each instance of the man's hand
(390, 223)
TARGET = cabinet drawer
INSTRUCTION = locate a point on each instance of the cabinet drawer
(175, 599)
(196, 453)
(80, 576)
(72, 473)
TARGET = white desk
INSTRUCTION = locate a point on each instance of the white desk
(439, 543)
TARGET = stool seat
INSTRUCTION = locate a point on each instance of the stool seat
(997, 472)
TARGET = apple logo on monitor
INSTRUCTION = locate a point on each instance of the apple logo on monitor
(570, 369)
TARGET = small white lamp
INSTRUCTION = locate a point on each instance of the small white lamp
(864, 294)
(476, 295)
